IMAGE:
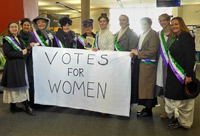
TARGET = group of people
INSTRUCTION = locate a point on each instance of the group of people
(157, 59)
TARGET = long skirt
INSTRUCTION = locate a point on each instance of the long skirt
(16, 94)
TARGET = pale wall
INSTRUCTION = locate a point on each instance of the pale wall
(94, 14)
(188, 13)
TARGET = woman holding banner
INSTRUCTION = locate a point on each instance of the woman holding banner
(179, 73)
(165, 40)
(82, 39)
(104, 38)
(41, 36)
(15, 79)
(126, 40)
(147, 53)
(66, 38)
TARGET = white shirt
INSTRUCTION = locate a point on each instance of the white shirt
(106, 40)
(142, 36)
(121, 32)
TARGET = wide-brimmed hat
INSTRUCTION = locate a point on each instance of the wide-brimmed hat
(192, 89)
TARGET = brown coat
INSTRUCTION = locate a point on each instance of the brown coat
(147, 74)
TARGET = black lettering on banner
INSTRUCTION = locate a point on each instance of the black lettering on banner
(106, 60)
(75, 72)
(54, 86)
(69, 71)
(69, 60)
(79, 87)
(88, 60)
(70, 86)
(50, 62)
(78, 56)
(102, 91)
(81, 72)
(88, 89)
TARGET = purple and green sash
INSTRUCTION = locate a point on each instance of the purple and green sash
(81, 39)
(59, 43)
(163, 48)
(117, 48)
(39, 39)
(13, 43)
(96, 41)
(146, 61)
(176, 68)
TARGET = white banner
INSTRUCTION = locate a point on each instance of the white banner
(82, 79)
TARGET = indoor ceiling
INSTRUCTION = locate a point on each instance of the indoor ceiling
(51, 7)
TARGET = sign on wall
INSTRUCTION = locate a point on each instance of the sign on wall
(168, 3)
(82, 79)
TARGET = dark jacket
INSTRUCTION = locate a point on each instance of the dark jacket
(128, 41)
(25, 37)
(66, 38)
(183, 52)
(14, 69)
(79, 45)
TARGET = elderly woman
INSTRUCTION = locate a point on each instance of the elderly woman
(179, 73)
(104, 38)
(88, 26)
(14, 79)
(41, 35)
(67, 38)
(147, 53)
(165, 37)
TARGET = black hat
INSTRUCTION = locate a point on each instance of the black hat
(88, 22)
(192, 89)
(65, 20)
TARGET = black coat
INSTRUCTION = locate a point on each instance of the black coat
(79, 45)
(183, 51)
(29, 60)
(63, 37)
(14, 69)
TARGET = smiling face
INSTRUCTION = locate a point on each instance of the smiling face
(123, 21)
(26, 27)
(145, 25)
(175, 27)
(13, 28)
(66, 28)
(41, 24)
(164, 23)
(103, 23)
(88, 29)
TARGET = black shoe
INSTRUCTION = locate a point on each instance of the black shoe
(175, 125)
(145, 114)
(172, 122)
(30, 111)
(16, 109)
